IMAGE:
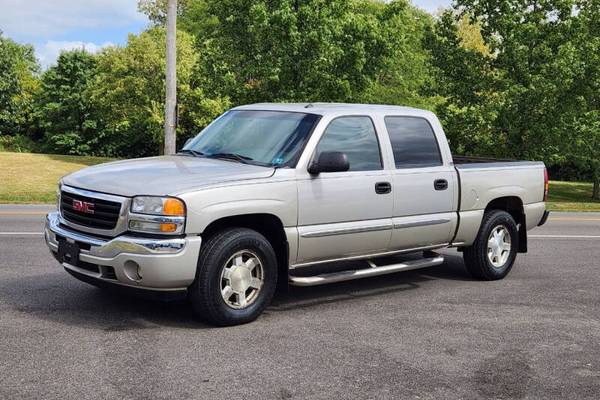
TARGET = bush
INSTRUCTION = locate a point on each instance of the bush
(18, 144)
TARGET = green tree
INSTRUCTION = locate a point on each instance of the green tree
(465, 81)
(535, 95)
(156, 10)
(469, 33)
(362, 50)
(405, 71)
(289, 50)
(63, 110)
(128, 94)
(18, 84)
(583, 91)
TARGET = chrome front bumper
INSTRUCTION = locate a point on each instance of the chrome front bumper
(158, 264)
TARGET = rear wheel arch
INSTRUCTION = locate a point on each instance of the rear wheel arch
(514, 206)
(488, 248)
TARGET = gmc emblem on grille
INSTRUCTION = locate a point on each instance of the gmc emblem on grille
(83, 206)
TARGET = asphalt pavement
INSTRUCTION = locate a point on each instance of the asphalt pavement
(429, 334)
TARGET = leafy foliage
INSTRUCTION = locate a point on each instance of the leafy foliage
(156, 10)
(63, 110)
(18, 85)
(515, 79)
(464, 79)
(535, 94)
(289, 50)
(405, 71)
(128, 97)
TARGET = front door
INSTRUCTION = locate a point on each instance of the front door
(345, 214)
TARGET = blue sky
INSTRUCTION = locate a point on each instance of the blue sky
(55, 25)
(432, 5)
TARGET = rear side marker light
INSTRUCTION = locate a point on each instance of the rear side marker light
(546, 184)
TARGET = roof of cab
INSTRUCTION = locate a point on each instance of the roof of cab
(336, 108)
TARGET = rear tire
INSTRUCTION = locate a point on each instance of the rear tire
(493, 253)
(235, 279)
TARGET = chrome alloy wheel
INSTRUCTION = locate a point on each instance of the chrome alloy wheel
(242, 279)
(498, 249)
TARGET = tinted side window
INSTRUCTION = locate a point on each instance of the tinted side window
(413, 142)
(356, 137)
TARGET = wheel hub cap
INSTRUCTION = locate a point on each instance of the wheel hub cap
(241, 279)
(499, 246)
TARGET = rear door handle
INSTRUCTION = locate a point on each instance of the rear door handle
(383, 187)
(440, 184)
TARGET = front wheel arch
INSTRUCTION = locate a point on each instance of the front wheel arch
(268, 225)
(205, 293)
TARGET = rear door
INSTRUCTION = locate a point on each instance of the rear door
(424, 186)
(342, 214)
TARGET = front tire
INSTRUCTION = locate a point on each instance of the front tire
(493, 253)
(235, 279)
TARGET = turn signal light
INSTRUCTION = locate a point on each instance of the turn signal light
(168, 227)
(173, 206)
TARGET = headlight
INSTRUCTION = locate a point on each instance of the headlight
(150, 214)
(158, 206)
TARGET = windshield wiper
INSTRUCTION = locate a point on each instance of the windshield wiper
(195, 153)
(231, 156)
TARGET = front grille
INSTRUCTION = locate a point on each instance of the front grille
(105, 215)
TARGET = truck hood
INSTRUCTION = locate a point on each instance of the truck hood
(159, 176)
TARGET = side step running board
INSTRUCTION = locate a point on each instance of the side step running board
(364, 273)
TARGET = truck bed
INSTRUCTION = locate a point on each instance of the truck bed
(468, 162)
(482, 180)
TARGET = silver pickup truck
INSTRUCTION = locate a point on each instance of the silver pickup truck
(300, 194)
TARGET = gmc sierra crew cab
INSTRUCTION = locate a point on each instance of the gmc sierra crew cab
(292, 192)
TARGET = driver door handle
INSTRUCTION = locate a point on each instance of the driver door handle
(440, 184)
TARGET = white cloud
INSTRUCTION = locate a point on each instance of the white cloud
(49, 52)
(31, 19)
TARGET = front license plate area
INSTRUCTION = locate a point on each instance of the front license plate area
(68, 252)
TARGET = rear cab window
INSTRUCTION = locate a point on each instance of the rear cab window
(413, 142)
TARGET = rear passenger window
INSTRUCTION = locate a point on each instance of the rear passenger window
(413, 142)
(356, 137)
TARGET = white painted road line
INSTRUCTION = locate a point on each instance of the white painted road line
(564, 236)
(574, 219)
(21, 233)
(23, 213)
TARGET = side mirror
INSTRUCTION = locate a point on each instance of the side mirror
(329, 161)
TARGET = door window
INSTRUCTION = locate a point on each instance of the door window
(356, 137)
(413, 142)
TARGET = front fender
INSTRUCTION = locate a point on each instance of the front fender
(209, 205)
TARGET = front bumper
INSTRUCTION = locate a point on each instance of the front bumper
(155, 264)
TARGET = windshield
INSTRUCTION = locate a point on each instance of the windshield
(270, 138)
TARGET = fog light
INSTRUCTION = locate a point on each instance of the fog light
(145, 226)
(132, 270)
(164, 225)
